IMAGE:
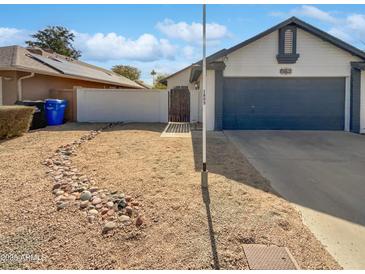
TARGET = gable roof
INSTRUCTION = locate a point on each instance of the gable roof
(307, 27)
(49, 63)
(291, 21)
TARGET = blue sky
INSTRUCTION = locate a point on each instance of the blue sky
(166, 37)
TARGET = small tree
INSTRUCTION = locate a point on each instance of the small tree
(157, 83)
(58, 39)
(130, 72)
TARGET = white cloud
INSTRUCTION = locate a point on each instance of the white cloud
(340, 34)
(315, 13)
(351, 29)
(112, 46)
(356, 22)
(308, 11)
(190, 53)
(13, 36)
(192, 33)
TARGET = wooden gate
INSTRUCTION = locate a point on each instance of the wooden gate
(179, 104)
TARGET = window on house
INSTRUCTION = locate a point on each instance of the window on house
(287, 45)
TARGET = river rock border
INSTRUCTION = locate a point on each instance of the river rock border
(72, 188)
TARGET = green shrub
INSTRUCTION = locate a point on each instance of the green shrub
(14, 120)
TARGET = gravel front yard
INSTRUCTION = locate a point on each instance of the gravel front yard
(186, 225)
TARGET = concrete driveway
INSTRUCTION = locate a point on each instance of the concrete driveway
(323, 174)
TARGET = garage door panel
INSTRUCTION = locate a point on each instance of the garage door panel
(290, 103)
(281, 123)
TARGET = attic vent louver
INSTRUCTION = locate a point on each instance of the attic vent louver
(287, 45)
(288, 41)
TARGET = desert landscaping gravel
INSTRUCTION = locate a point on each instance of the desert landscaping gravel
(184, 225)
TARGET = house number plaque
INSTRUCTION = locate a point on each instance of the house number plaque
(285, 71)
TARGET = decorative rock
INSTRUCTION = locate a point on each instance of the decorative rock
(104, 211)
(129, 211)
(56, 186)
(124, 219)
(91, 218)
(59, 192)
(139, 221)
(85, 196)
(58, 177)
(61, 206)
(77, 195)
(70, 185)
(93, 189)
(96, 201)
(83, 178)
(84, 204)
(109, 226)
(110, 204)
(121, 204)
(93, 212)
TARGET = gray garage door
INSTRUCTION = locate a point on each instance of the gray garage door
(290, 103)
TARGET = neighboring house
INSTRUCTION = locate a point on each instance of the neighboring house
(35, 74)
(143, 84)
(292, 76)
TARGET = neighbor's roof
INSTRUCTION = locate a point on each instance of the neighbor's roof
(44, 62)
(291, 21)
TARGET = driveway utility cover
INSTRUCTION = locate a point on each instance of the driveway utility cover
(262, 257)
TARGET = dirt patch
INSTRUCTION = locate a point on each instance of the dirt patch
(187, 225)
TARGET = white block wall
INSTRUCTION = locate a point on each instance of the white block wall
(122, 105)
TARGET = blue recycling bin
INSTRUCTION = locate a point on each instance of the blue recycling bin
(55, 111)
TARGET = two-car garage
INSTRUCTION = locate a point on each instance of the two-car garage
(284, 103)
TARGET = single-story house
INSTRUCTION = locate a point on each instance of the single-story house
(36, 74)
(292, 76)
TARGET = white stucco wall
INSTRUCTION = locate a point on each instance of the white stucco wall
(122, 105)
(180, 79)
(195, 106)
(362, 103)
(317, 59)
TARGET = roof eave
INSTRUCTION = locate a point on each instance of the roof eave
(25, 69)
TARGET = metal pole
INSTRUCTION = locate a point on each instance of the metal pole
(204, 76)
